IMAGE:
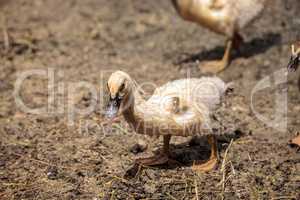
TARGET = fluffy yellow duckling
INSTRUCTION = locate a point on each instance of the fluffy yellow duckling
(178, 108)
(226, 17)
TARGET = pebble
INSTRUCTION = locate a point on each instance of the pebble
(52, 173)
(139, 147)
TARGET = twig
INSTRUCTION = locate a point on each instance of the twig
(35, 160)
(232, 168)
(284, 197)
(169, 195)
(112, 195)
(250, 158)
(120, 179)
(223, 169)
(3, 194)
(16, 142)
(225, 156)
(185, 190)
(196, 190)
(42, 162)
(5, 34)
(223, 185)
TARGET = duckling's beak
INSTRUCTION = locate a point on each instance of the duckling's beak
(294, 63)
(113, 107)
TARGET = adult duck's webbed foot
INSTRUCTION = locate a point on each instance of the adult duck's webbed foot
(213, 160)
(205, 167)
(160, 159)
(213, 67)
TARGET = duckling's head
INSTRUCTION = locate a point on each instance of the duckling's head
(119, 87)
(294, 60)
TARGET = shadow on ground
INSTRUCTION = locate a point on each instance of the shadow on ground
(185, 154)
(247, 49)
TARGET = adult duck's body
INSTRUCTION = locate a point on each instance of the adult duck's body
(178, 108)
(226, 17)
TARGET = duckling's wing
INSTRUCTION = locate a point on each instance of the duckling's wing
(189, 114)
(186, 103)
(162, 105)
(174, 111)
(206, 91)
(192, 120)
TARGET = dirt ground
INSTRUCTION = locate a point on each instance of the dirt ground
(44, 157)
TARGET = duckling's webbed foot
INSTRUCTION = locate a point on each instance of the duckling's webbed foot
(213, 160)
(205, 167)
(159, 159)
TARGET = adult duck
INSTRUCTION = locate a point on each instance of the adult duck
(225, 17)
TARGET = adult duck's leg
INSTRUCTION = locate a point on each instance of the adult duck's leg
(216, 66)
(220, 65)
(162, 158)
(213, 160)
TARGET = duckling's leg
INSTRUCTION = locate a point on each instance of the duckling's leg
(160, 159)
(216, 66)
(213, 160)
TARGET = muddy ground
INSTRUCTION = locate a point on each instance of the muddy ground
(43, 157)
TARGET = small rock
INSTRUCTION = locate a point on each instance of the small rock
(238, 133)
(139, 147)
(80, 173)
(2, 163)
(52, 173)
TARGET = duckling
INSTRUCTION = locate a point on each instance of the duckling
(178, 108)
(225, 17)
